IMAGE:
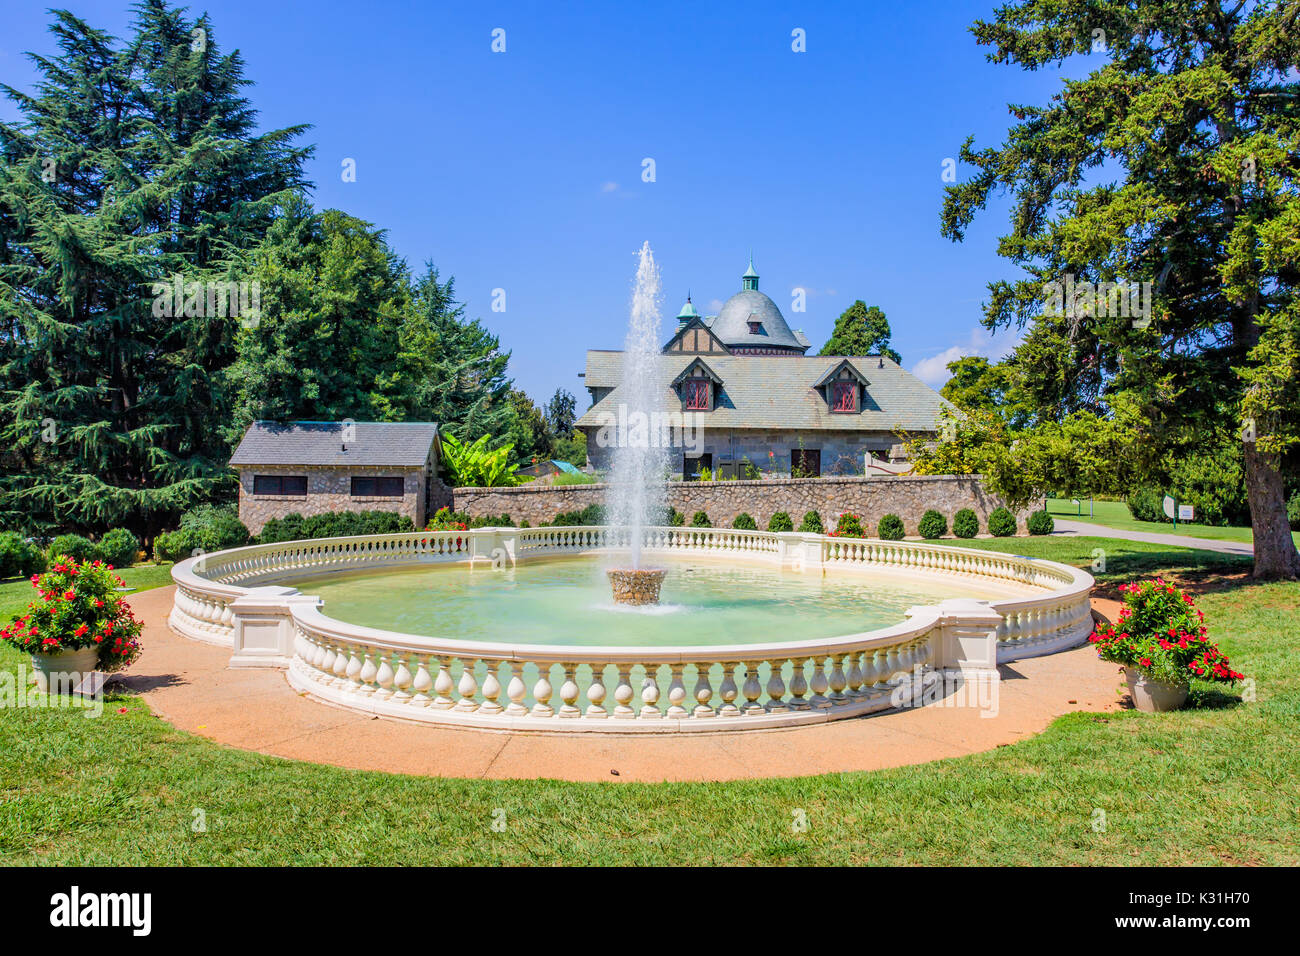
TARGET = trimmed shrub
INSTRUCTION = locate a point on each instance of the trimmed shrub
(932, 525)
(74, 546)
(1040, 522)
(812, 523)
(1147, 504)
(492, 521)
(849, 526)
(781, 521)
(119, 548)
(890, 528)
(180, 544)
(745, 522)
(700, 520)
(19, 558)
(217, 527)
(334, 524)
(965, 523)
(1002, 523)
(591, 515)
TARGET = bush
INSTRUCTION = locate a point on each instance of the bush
(75, 547)
(932, 525)
(890, 528)
(119, 548)
(1002, 523)
(217, 527)
(19, 558)
(781, 521)
(1040, 522)
(675, 518)
(333, 524)
(182, 543)
(1293, 511)
(965, 524)
(700, 520)
(812, 523)
(593, 514)
(849, 525)
(1147, 504)
(745, 522)
(492, 521)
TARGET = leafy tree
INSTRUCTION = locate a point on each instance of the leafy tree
(861, 331)
(978, 385)
(1171, 162)
(527, 428)
(132, 163)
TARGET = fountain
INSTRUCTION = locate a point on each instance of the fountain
(637, 491)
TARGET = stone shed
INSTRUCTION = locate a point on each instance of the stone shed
(317, 467)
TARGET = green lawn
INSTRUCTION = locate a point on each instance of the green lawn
(16, 593)
(1115, 514)
(1198, 786)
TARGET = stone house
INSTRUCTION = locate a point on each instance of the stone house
(317, 467)
(742, 398)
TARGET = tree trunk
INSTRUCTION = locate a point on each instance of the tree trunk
(1275, 552)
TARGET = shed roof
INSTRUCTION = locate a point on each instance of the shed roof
(394, 444)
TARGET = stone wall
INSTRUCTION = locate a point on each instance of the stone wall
(328, 489)
(909, 498)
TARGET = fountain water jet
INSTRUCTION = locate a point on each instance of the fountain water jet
(637, 493)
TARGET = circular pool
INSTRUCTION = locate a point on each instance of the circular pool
(515, 629)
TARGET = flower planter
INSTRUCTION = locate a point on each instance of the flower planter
(1154, 696)
(48, 667)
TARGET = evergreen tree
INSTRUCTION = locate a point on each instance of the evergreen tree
(861, 331)
(561, 413)
(326, 345)
(1171, 163)
(132, 164)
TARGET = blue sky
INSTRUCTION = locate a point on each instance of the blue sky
(522, 170)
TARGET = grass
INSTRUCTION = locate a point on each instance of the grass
(16, 593)
(1115, 514)
(1200, 786)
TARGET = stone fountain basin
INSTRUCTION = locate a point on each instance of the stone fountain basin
(636, 586)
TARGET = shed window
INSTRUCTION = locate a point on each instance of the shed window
(845, 397)
(384, 486)
(697, 395)
(291, 485)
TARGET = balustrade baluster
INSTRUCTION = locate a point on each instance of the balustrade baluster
(596, 692)
(423, 682)
(623, 692)
(776, 687)
(368, 672)
(650, 693)
(467, 686)
(728, 690)
(703, 691)
(491, 690)
(676, 692)
(569, 692)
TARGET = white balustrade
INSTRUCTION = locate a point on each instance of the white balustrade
(649, 689)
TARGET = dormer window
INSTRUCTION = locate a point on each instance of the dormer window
(844, 397)
(696, 394)
(755, 328)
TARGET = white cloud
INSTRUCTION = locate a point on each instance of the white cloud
(609, 187)
(934, 370)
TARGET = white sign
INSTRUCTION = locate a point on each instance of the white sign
(1169, 507)
(1185, 512)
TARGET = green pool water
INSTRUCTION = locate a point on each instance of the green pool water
(568, 602)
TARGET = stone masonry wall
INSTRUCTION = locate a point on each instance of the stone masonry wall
(328, 489)
(871, 498)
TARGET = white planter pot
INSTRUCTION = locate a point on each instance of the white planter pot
(51, 668)
(1154, 696)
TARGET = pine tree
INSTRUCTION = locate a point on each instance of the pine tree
(1171, 163)
(133, 163)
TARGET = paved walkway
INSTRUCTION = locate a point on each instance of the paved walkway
(188, 684)
(1067, 526)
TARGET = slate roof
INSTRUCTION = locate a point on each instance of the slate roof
(731, 324)
(394, 444)
(761, 391)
